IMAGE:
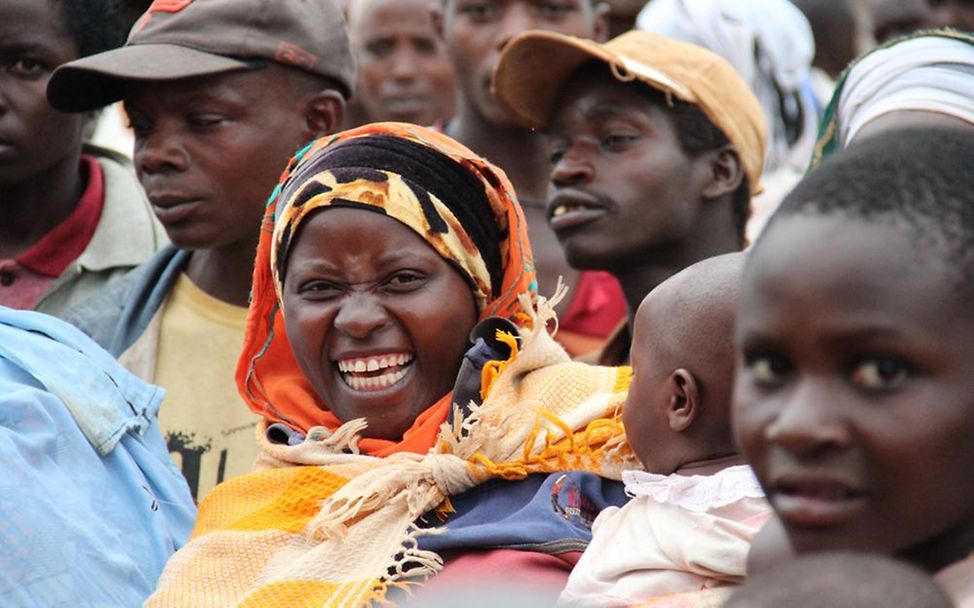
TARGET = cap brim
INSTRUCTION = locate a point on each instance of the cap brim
(96, 81)
(534, 66)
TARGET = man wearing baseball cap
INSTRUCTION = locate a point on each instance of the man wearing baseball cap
(220, 94)
(656, 147)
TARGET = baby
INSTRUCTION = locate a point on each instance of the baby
(696, 508)
(854, 393)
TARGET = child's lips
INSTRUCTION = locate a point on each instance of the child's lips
(816, 502)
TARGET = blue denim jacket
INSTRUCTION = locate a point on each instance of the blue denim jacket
(91, 505)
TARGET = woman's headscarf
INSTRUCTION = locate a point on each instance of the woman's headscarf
(459, 203)
(930, 71)
(770, 44)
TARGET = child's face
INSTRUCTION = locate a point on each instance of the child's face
(854, 396)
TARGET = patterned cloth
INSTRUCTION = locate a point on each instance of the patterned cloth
(341, 529)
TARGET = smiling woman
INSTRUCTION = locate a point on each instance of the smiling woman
(395, 342)
(382, 247)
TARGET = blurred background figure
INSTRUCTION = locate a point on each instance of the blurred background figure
(841, 34)
(958, 14)
(112, 129)
(770, 44)
(404, 74)
(622, 15)
(892, 18)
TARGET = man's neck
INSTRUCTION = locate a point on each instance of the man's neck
(642, 273)
(33, 208)
(226, 273)
(521, 153)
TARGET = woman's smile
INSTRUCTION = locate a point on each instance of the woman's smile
(376, 372)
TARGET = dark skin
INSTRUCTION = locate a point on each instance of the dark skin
(209, 150)
(40, 148)
(475, 31)
(836, 30)
(852, 395)
(625, 196)
(404, 75)
(362, 286)
(678, 408)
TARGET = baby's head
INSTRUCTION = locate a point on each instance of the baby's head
(854, 392)
(677, 412)
(849, 580)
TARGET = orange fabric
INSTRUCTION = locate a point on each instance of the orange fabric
(268, 376)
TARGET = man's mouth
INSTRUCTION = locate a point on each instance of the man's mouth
(569, 211)
(375, 372)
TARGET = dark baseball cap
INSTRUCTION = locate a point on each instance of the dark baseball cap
(177, 39)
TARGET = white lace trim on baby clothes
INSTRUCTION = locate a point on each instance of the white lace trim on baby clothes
(695, 492)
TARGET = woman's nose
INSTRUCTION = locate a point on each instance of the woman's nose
(361, 315)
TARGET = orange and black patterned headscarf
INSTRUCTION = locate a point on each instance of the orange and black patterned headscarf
(462, 205)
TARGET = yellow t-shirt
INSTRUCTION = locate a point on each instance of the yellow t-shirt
(208, 428)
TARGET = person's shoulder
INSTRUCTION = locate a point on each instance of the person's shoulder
(116, 315)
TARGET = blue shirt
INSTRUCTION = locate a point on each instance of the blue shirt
(91, 505)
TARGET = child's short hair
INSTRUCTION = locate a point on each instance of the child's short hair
(919, 178)
(826, 580)
(94, 25)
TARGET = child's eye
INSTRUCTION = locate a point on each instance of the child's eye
(879, 374)
(767, 368)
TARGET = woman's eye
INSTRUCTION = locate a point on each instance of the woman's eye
(318, 289)
(405, 281)
(879, 374)
(767, 369)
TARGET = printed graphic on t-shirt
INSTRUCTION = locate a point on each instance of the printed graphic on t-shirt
(207, 460)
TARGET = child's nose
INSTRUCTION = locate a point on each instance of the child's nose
(809, 421)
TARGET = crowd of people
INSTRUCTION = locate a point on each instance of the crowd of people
(456, 302)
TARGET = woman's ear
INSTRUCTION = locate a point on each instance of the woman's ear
(325, 112)
(684, 398)
(726, 173)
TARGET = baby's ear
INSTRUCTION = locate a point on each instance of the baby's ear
(684, 400)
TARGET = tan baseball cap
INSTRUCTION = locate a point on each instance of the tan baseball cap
(184, 38)
(534, 66)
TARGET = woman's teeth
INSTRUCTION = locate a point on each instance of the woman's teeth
(374, 373)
